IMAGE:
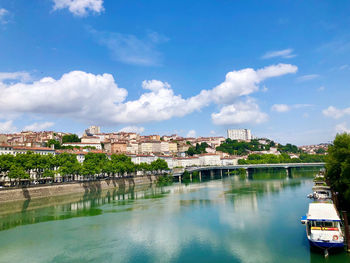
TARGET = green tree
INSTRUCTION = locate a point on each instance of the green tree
(338, 168)
(17, 172)
(56, 144)
(70, 138)
(320, 151)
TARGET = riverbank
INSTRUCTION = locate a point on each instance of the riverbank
(29, 193)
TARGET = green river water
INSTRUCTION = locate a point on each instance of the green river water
(222, 220)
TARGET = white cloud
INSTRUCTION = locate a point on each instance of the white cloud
(130, 49)
(7, 127)
(244, 82)
(98, 99)
(280, 107)
(19, 75)
(3, 16)
(191, 134)
(307, 77)
(136, 129)
(240, 113)
(285, 107)
(335, 113)
(341, 128)
(80, 7)
(38, 126)
(76, 94)
(322, 88)
(285, 53)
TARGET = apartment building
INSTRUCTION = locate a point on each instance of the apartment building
(239, 134)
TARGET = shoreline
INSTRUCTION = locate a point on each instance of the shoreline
(45, 191)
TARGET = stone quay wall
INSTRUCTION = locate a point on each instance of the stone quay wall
(33, 192)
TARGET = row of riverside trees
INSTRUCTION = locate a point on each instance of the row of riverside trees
(338, 169)
(282, 158)
(95, 165)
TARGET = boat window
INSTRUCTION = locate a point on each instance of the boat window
(328, 224)
(318, 224)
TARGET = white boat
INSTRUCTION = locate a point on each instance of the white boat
(323, 226)
(321, 193)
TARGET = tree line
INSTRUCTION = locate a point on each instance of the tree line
(338, 169)
(95, 165)
(282, 158)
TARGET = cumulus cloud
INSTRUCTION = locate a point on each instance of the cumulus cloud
(307, 77)
(38, 126)
(136, 129)
(80, 7)
(97, 98)
(335, 113)
(244, 82)
(191, 134)
(284, 53)
(131, 49)
(76, 94)
(7, 127)
(240, 113)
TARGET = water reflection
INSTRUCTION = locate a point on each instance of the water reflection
(228, 220)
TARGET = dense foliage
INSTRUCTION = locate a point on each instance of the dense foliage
(235, 147)
(288, 148)
(70, 138)
(58, 145)
(95, 165)
(282, 158)
(198, 149)
(338, 168)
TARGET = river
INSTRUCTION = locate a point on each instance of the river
(222, 220)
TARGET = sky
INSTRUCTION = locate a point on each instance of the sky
(195, 68)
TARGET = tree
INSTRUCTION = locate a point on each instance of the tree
(198, 149)
(338, 168)
(17, 172)
(320, 151)
(56, 143)
(70, 138)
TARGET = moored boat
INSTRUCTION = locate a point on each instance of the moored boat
(321, 193)
(323, 226)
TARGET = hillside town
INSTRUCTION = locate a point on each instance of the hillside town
(177, 151)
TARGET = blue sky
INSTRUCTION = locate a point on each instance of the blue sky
(280, 68)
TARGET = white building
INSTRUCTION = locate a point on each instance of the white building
(239, 134)
(186, 162)
(6, 149)
(143, 158)
(225, 161)
(209, 159)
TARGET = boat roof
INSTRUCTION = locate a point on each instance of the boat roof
(322, 212)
